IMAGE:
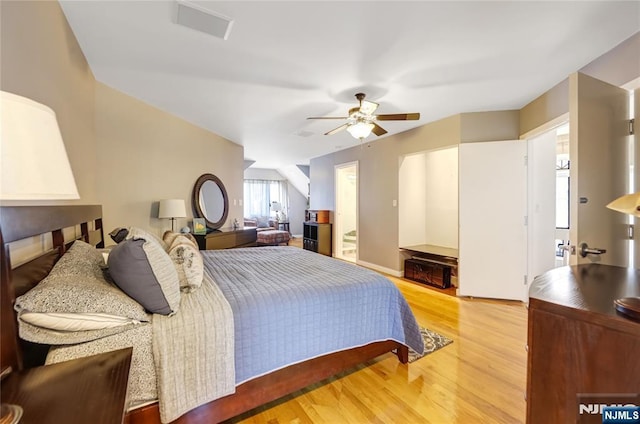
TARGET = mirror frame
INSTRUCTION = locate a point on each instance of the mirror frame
(196, 200)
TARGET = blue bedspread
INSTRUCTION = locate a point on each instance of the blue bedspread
(290, 305)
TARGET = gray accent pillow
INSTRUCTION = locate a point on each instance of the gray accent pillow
(143, 270)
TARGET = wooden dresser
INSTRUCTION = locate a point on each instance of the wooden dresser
(580, 348)
(227, 238)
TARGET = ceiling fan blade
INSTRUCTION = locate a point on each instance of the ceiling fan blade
(335, 130)
(378, 130)
(328, 117)
(367, 107)
(398, 117)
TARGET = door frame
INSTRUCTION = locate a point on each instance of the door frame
(337, 240)
(545, 128)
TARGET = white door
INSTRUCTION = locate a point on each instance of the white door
(346, 214)
(598, 115)
(492, 234)
(541, 160)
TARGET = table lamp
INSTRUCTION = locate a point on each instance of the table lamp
(172, 209)
(276, 207)
(630, 205)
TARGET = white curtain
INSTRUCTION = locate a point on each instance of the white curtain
(258, 195)
(280, 193)
(256, 198)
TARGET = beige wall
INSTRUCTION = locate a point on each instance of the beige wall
(489, 126)
(41, 59)
(379, 170)
(548, 106)
(125, 154)
(145, 154)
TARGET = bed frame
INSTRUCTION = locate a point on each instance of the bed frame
(20, 222)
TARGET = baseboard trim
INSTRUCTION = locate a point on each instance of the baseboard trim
(392, 272)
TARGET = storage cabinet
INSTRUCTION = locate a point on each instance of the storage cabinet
(317, 238)
(428, 272)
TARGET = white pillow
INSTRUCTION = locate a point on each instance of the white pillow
(75, 322)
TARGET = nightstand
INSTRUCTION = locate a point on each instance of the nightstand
(85, 390)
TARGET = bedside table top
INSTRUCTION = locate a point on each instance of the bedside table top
(85, 390)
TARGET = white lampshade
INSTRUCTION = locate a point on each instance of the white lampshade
(33, 159)
(276, 206)
(360, 130)
(629, 204)
(172, 208)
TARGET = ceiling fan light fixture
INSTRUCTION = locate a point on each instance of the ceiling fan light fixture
(360, 130)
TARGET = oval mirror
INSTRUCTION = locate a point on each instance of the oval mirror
(210, 200)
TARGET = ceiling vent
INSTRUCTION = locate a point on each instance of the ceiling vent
(200, 19)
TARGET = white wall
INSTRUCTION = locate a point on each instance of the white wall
(441, 187)
(412, 200)
(428, 198)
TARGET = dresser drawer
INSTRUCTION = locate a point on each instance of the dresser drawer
(228, 238)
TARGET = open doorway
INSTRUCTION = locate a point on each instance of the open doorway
(346, 214)
(548, 216)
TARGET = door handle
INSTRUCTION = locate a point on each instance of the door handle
(586, 250)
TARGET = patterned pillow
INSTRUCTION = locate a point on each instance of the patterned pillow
(188, 261)
(169, 236)
(76, 285)
(141, 268)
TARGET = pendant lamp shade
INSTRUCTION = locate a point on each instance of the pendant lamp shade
(360, 130)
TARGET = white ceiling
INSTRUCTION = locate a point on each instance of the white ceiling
(286, 61)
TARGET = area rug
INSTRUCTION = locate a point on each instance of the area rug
(432, 342)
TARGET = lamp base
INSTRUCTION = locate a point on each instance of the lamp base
(629, 307)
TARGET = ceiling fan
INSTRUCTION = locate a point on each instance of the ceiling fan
(361, 119)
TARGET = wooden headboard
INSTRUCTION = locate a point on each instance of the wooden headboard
(22, 222)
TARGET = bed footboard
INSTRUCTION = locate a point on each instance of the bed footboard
(273, 386)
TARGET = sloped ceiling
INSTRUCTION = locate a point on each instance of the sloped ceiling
(286, 61)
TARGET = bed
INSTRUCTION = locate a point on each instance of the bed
(256, 381)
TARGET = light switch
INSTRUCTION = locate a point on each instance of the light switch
(235, 202)
(395, 203)
(240, 202)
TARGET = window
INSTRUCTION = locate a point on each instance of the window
(562, 194)
(259, 194)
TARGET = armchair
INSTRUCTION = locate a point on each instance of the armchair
(268, 234)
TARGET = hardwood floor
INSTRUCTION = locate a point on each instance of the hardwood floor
(479, 378)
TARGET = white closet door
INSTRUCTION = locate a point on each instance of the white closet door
(493, 205)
